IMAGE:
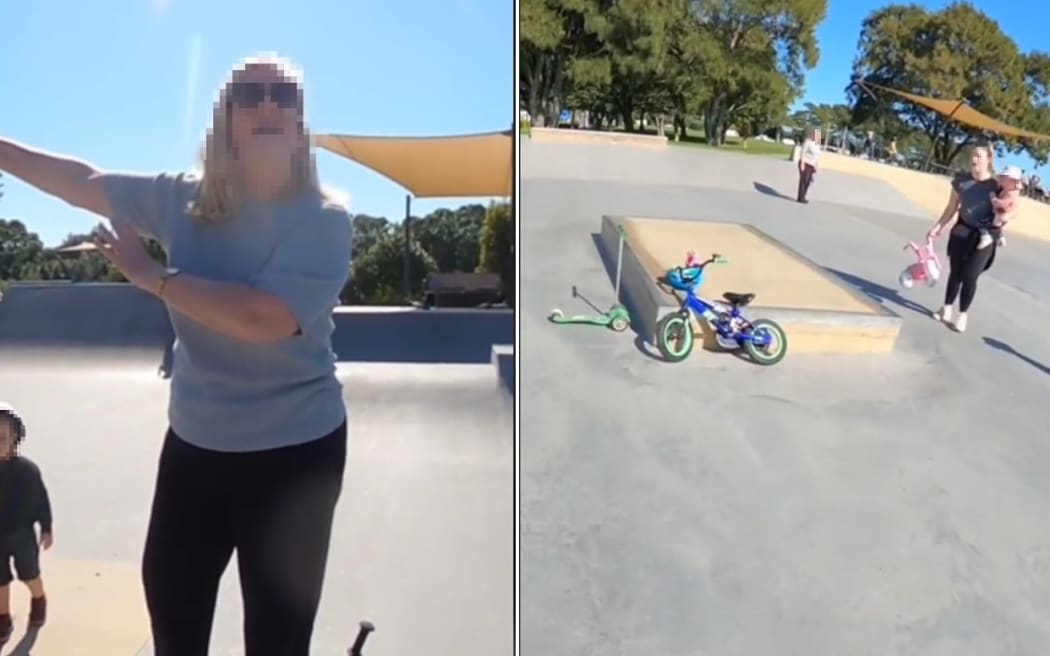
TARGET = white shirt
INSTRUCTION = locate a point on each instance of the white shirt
(810, 153)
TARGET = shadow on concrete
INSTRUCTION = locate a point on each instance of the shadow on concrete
(770, 191)
(1006, 348)
(880, 293)
(609, 263)
(25, 645)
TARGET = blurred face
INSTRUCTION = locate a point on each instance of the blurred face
(1008, 183)
(265, 122)
(7, 439)
(980, 159)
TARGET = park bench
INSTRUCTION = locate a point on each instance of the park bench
(462, 290)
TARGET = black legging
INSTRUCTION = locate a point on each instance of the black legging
(275, 508)
(966, 263)
(805, 179)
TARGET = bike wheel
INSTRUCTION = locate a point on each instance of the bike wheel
(770, 353)
(674, 337)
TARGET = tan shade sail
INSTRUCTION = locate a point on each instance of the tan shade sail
(82, 247)
(432, 167)
(958, 110)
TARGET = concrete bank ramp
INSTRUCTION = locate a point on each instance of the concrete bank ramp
(818, 311)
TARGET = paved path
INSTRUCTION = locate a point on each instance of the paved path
(848, 505)
(423, 537)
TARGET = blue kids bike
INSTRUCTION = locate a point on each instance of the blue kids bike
(763, 340)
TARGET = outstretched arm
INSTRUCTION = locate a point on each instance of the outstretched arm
(78, 183)
(950, 210)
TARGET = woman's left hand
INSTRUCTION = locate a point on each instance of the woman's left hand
(125, 250)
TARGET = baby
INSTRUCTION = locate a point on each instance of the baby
(1003, 203)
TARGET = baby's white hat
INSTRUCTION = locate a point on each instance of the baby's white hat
(1012, 172)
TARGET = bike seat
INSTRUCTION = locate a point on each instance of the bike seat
(739, 300)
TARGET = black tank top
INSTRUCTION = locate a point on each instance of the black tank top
(975, 200)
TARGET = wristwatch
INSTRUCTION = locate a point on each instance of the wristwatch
(168, 274)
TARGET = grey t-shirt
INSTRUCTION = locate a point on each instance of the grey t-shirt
(975, 200)
(227, 394)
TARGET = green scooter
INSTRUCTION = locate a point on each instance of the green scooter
(617, 317)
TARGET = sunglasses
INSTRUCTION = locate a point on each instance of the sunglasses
(249, 95)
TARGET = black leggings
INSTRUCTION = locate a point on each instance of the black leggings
(275, 508)
(805, 179)
(965, 265)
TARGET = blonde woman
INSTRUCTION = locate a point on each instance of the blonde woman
(253, 460)
(970, 206)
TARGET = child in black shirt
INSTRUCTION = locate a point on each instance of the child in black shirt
(23, 504)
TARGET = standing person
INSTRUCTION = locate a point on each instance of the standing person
(869, 145)
(808, 159)
(254, 455)
(970, 205)
(24, 506)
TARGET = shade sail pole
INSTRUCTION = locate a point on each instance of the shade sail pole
(406, 269)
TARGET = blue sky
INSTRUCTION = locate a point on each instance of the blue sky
(1026, 23)
(129, 84)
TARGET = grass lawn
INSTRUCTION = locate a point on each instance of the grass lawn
(749, 147)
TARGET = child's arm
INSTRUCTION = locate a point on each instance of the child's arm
(42, 511)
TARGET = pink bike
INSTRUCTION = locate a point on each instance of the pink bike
(925, 270)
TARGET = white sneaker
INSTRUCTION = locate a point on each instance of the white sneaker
(985, 242)
(944, 314)
(960, 323)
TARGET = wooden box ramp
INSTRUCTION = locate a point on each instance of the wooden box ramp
(571, 135)
(820, 313)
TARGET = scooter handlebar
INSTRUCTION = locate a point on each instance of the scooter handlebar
(364, 628)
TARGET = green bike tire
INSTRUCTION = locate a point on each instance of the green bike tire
(763, 356)
(674, 337)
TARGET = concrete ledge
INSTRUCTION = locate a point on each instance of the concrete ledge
(112, 317)
(503, 361)
(93, 608)
(809, 330)
(567, 135)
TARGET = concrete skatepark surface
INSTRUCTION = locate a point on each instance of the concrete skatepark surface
(423, 538)
(829, 505)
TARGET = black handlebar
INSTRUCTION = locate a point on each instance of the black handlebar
(364, 628)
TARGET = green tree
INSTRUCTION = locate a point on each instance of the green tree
(497, 247)
(19, 249)
(1037, 80)
(375, 275)
(367, 230)
(558, 40)
(955, 52)
(752, 56)
(637, 36)
(451, 237)
(822, 115)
